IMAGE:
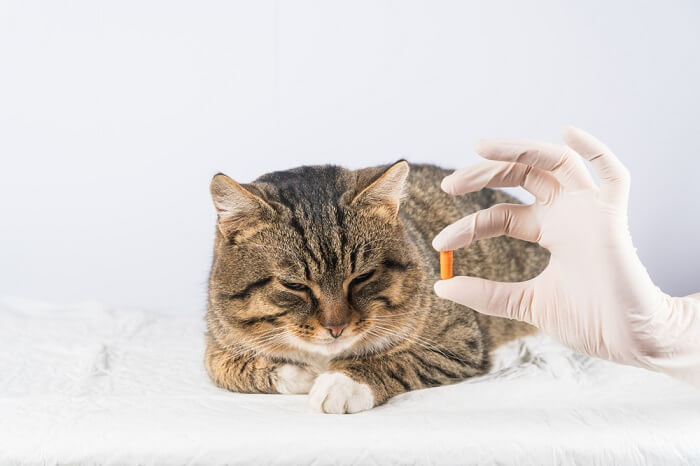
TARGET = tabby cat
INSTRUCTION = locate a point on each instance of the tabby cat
(322, 283)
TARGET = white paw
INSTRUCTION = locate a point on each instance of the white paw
(290, 378)
(336, 393)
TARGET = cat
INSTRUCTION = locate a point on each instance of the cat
(322, 283)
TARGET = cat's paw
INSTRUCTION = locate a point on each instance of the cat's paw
(290, 378)
(336, 393)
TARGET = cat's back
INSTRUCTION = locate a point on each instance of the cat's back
(428, 209)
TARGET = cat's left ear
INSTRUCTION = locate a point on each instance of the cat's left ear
(384, 194)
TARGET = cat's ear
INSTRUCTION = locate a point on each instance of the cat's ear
(384, 193)
(238, 209)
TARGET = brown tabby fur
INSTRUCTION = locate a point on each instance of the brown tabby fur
(323, 227)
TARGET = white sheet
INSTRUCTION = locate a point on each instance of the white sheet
(88, 384)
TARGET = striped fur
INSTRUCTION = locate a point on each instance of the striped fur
(358, 244)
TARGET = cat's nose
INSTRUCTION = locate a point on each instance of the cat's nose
(336, 330)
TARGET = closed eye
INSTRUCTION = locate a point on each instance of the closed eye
(295, 286)
(361, 278)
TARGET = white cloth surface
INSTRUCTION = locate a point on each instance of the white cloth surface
(87, 384)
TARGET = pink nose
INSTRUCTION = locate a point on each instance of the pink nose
(336, 330)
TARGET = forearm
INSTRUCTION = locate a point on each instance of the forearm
(240, 371)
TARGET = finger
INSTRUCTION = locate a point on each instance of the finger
(515, 220)
(614, 176)
(561, 161)
(494, 174)
(509, 300)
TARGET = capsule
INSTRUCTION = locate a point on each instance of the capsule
(445, 264)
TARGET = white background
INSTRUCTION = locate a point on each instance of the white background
(114, 116)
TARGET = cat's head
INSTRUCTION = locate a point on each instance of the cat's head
(313, 259)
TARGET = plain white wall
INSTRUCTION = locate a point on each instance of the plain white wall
(114, 116)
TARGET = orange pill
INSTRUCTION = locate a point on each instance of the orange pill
(445, 264)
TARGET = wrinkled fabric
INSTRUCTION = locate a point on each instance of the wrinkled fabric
(87, 384)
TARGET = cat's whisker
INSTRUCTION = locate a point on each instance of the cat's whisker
(416, 337)
(385, 333)
(402, 331)
(259, 349)
(259, 338)
(427, 344)
(377, 336)
(252, 344)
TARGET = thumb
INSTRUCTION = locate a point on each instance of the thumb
(510, 300)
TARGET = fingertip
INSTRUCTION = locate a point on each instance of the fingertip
(583, 142)
(440, 288)
(568, 128)
(570, 134)
(439, 243)
(454, 236)
(481, 146)
(448, 184)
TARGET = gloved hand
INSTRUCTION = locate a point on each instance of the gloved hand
(595, 296)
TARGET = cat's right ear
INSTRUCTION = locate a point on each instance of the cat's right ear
(237, 208)
(384, 194)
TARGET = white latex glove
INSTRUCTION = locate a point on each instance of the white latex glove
(595, 296)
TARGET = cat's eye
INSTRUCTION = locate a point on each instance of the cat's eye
(294, 286)
(361, 278)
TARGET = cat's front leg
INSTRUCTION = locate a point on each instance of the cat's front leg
(293, 378)
(241, 371)
(354, 385)
(351, 386)
(338, 393)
